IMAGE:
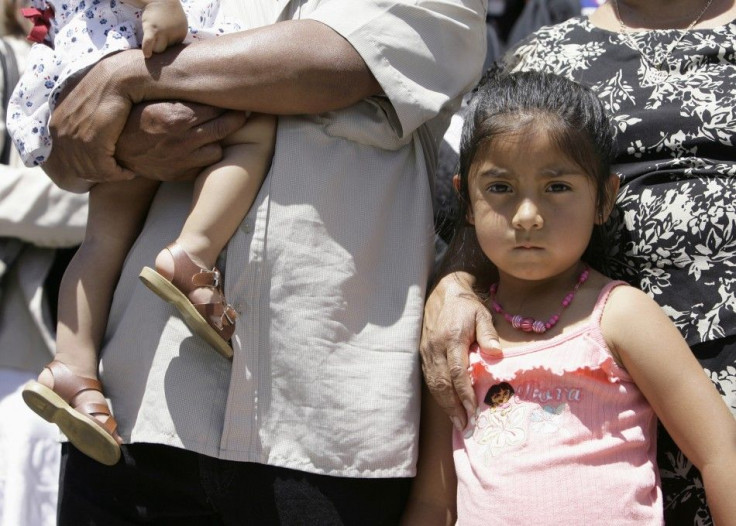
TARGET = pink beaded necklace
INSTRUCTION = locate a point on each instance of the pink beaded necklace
(530, 324)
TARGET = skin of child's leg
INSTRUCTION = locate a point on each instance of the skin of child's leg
(116, 214)
(223, 194)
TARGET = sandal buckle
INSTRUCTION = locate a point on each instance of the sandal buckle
(230, 314)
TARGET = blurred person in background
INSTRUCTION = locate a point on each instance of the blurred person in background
(40, 225)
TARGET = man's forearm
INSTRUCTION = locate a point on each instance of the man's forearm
(290, 67)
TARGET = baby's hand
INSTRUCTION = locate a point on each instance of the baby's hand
(164, 24)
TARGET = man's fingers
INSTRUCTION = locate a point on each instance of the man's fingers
(173, 141)
(219, 127)
(195, 113)
(112, 170)
(442, 390)
(448, 332)
(209, 154)
(446, 375)
(457, 361)
(119, 173)
(485, 333)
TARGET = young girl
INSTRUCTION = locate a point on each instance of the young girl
(71, 37)
(565, 427)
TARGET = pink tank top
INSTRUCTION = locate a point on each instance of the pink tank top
(562, 436)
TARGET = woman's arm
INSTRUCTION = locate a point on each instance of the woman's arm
(688, 405)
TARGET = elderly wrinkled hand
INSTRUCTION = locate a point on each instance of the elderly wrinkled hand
(101, 133)
(454, 320)
(170, 141)
(85, 126)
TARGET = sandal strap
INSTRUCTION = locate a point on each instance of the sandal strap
(188, 275)
(224, 314)
(207, 278)
(110, 424)
(68, 385)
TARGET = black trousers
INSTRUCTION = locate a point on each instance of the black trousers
(162, 485)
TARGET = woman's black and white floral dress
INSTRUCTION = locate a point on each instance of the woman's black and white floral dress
(674, 230)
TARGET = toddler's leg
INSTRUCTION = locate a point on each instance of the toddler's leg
(116, 213)
(223, 195)
(224, 192)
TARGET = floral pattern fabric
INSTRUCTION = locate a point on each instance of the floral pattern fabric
(673, 233)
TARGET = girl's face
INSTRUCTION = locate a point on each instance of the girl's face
(533, 207)
(501, 397)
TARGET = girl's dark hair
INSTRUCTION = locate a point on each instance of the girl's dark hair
(573, 116)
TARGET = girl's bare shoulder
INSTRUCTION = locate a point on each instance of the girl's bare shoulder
(631, 317)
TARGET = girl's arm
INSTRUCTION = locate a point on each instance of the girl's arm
(432, 497)
(663, 367)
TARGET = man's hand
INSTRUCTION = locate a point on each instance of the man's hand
(85, 126)
(94, 140)
(171, 141)
(454, 320)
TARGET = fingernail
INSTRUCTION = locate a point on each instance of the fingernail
(469, 432)
(493, 350)
(471, 415)
(456, 422)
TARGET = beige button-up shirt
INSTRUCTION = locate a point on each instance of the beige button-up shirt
(328, 270)
(36, 218)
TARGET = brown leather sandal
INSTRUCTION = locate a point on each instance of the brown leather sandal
(92, 437)
(215, 322)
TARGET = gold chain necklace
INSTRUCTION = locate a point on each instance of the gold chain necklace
(656, 74)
